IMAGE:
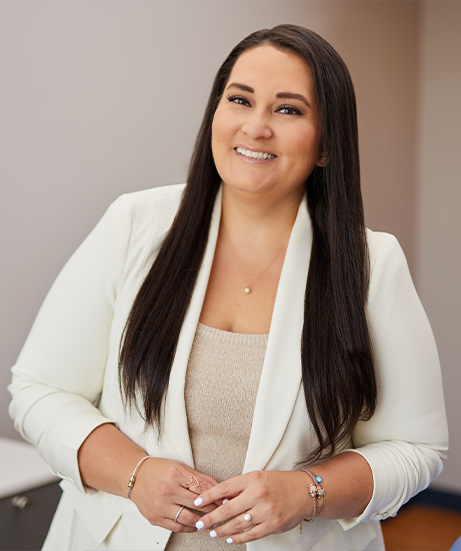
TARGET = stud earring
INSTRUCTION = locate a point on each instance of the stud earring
(323, 160)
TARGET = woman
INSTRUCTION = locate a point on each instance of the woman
(258, 328)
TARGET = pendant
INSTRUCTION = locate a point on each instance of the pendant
(247, 290)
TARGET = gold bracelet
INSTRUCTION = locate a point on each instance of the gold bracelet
(316, 492)
(133, 476)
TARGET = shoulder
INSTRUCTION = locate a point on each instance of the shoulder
(144, 201)
(385, 252)
(147, 210)
(133, 226)
(390, 278)
(168, 193)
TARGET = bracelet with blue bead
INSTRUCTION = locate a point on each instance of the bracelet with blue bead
(316, 492)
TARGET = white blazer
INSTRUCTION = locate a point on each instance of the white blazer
(65, 382)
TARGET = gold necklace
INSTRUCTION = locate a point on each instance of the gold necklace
(249, 286)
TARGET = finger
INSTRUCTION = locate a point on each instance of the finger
(224, 490)
(217, 504)
(208, 479)
(193, 484)
(187, 498)
(223, 513)
(186, 517)
(197, 484)
(177, 527)
(208, 508)
(255, 533)
(238, 524)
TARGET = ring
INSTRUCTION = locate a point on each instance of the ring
(191, 484)
(247, 517)
(178, 513)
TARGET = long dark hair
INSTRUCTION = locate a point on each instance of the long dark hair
(337, 362)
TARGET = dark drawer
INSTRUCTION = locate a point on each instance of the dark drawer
(26, 518)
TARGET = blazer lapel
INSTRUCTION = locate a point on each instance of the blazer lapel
(281, 375)
(176, 429)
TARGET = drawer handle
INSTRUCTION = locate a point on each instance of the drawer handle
(20, 502)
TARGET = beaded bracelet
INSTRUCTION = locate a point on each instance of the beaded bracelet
(316, 492)
(133, 476)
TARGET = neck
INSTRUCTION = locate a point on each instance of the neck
(255, 220)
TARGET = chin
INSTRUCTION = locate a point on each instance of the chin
(252, 187)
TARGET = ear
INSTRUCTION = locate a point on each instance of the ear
(322, 159)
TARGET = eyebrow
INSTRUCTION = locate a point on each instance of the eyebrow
(280, 95)
(289, 95)
(243, 87)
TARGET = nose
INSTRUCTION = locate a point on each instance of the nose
(257, 126)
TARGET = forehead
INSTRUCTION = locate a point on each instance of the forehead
(269, 67)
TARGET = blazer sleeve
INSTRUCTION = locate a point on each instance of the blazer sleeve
(60, 371)
(407, 437)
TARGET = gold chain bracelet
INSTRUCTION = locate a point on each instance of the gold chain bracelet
(316, 492)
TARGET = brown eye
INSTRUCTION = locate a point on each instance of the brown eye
(239, 100)
(289, 110)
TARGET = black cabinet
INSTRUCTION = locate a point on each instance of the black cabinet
(26, 517)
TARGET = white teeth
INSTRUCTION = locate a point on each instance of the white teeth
(254, 154)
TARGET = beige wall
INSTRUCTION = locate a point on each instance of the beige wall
(379, 42)
(99, 98)
(439, 205)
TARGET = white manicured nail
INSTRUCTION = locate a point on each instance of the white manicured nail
(213, 534)
(198, 501)
(230, 540)
(225, 501)
(199, 524)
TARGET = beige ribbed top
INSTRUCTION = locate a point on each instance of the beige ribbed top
(222, 381)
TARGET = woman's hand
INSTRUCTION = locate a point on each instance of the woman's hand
(162, 487)
(165, 488)
(276, 501)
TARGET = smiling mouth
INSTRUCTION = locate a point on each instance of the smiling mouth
(254, 154)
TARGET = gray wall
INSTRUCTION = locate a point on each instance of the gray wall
(100, 98)
(439, 205)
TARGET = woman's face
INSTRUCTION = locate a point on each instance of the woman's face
(265, 132)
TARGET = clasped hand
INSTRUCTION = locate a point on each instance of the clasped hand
(251, 506)
(260, 503)
(165, 491)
